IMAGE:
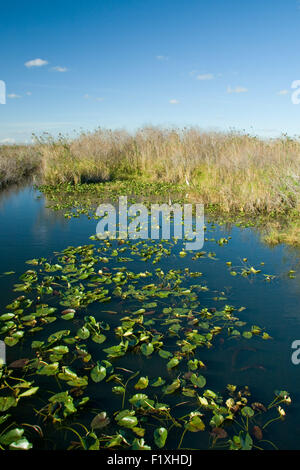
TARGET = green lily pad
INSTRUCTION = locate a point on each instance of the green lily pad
(160, 437)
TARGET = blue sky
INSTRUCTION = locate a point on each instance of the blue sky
(220, 64)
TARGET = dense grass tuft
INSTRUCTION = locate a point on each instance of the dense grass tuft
(17, 162)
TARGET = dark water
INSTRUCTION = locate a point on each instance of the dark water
(30, 230)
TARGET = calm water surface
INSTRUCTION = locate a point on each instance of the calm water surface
(30, 230)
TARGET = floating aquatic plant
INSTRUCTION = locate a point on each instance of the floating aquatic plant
(90, 327)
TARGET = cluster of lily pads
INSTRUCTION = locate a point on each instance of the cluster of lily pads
(105, 356)
(82, 199)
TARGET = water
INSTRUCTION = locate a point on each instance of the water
(30, 230)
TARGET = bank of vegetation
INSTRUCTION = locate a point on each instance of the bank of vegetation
(237, 173)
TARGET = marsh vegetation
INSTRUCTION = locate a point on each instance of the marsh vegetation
(232, 173)
(83, 320)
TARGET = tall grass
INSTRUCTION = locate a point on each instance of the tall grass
(17, 162)
(234, 171)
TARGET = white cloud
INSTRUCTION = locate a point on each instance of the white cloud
(174, 101)
(162, 57)
(283, 92)
(28, 93)
(58, 68)
(238, 89)
(7, 141)
(35, 63)
(13, 96)
(205, 76)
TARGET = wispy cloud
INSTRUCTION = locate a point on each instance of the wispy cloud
(173, 101)
(93, 98)
(238, 89)
(28, 93)
(283, 92)
(13, 96)
(205, 76)
(162, 57)
(35, 63)
(58, 68)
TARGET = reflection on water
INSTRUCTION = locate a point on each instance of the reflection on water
(30, 230)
